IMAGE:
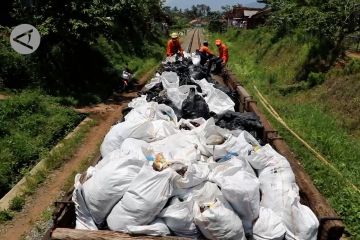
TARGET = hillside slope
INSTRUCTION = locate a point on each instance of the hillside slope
(323, 108)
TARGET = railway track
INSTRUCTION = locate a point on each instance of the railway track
(331, 226)
(195, 41)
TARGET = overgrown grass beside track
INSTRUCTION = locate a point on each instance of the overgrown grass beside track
(31, 123)
(323, 109)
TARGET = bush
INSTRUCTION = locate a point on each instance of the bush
(16, 71)
(17, 203)
(315, 79)
(6, 215)
(352, 67)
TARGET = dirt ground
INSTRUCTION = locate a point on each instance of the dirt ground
(353, 54)
(50, 191)
(2, 96)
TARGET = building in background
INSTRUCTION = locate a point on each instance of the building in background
(245, 17)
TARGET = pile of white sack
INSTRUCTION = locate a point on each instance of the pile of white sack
(156, 178)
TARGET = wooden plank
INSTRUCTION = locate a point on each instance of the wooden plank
(76, 234)
(330, 227)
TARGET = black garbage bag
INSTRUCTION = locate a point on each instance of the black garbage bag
(152, 93)
(198, 72)
(169, 103)
(248, 121)
(194, 106)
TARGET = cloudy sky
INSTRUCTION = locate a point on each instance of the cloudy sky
(214, 4)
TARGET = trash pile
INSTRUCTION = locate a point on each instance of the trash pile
(183, 162)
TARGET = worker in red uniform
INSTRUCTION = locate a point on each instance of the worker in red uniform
(173, 45)
(223, 56)
(205, 53)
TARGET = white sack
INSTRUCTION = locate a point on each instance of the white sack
(84, 220)
(151, 111)
(155, 80)
(186, 54)
(134, 149)
(240, 188)
(156, 228)
(219, 102)
(180, 147)
(144, 199)
(245, 143)
(206, 87)
(188, 123)
(216, 141)
(148, 131)
(280, 193)
(130, 148)
(179, 94)
(268, 226)
(195, 174)
(108, 185)
(299, 220)
(195, 58)
(169, 80)
(275, 184)
(179, 217)
(219, 221)
(136, 102)
(266, 157)
(202, 193)
(216, 99)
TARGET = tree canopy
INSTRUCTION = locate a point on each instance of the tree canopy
(330, 19)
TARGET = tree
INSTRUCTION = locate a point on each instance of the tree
(330, 19)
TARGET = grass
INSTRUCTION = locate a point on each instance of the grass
(57, 157)
(17, 203)
(53, 160)
(325, 135)
(31, 123)
(6, 215)
(85, 163)
(309, 108)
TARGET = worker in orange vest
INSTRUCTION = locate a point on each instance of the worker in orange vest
(205, 53)
(174, 46)
(223, 56)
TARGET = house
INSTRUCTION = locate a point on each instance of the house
(244, 17)
(259, 18)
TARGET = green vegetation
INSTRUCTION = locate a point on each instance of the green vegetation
(53, 160)
(6, 215)
(84, 45)
(56, 158)
(329, 20)
(30, 123)
(322, 108)
(17, 203)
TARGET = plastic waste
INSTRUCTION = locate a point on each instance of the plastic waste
(144, 199)
(84, 220)
(108, 185)
(268, 226)
(194, 106)
(216, 220)
(156, 228)
(179, 217)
